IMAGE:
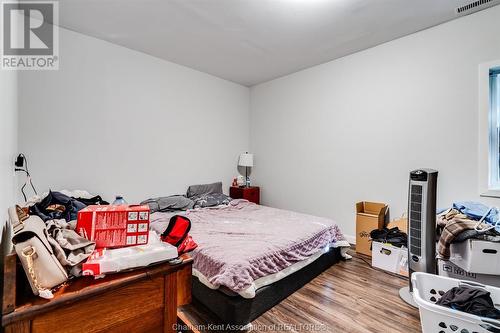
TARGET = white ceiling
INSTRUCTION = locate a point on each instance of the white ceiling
(252, 41)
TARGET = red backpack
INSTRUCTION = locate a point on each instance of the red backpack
(177, 235)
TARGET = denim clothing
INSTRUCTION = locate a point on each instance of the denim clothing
(475, 211)
(57, 206)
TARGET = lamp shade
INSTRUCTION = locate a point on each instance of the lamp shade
(246, 160)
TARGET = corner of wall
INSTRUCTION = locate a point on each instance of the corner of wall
(9, 96)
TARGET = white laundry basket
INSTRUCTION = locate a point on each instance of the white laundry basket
(428, 288)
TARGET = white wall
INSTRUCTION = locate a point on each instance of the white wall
(8, 150)
(116, 121)
(353, 128)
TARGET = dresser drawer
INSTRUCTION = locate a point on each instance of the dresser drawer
(119, 307)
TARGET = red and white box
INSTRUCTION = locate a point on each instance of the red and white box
(114, 226)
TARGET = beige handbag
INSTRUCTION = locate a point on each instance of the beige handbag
(30, 241)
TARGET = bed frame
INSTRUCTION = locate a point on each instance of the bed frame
(238, 311)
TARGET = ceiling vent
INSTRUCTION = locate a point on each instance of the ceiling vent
(476, 6)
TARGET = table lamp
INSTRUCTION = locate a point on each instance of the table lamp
(246, 160)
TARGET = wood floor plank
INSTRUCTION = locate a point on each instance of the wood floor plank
(350, 296)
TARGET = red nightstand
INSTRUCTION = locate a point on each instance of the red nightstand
(251, 193)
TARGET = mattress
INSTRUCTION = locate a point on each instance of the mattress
(243, 244)
(239, 311)
(265, 280)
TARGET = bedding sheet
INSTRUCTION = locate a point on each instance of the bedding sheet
(242, 242)
(250, 292)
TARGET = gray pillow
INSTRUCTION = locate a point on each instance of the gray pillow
(210, 200)
(198, 190)
(169, 204)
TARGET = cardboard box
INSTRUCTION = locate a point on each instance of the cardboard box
(401, 223)
(449, 269)
(476, 256)
(114, 226)
(369, 216)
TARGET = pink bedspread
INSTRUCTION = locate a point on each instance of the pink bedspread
(242, 242)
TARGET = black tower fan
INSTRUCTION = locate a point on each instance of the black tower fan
(421, 231)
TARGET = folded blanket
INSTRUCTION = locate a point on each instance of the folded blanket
(452, 229)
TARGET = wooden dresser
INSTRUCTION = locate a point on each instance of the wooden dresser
(144, 300)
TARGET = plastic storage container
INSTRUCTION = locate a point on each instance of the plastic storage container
(477, 256)
(449, 269)
(428, 288)
(386, 256)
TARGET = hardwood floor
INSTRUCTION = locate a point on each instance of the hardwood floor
(350, 296)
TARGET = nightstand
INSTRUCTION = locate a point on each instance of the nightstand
(251, 193)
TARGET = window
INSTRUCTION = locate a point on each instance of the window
(494, 129)
(489, 129)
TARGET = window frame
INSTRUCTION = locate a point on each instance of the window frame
(489, 136)
(494, 135)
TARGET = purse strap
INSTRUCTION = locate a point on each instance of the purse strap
(17, 217)
(28, 252)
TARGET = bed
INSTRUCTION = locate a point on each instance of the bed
(250, 257)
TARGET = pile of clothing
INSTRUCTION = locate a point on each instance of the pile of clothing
(59, 212)
(466, 220)
(472, 300)
(393, 236)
